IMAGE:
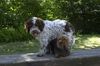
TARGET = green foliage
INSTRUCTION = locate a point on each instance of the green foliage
(50, 10)
(14, 12)
(83, 14)
(10, 34)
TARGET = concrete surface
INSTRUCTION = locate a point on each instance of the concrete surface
(77, 58)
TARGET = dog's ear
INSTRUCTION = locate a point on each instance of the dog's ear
(40, 24)
(28, 25)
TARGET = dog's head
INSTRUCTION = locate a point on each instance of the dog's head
(59, 46)
(34, 25)
(62, 42)
(62, 49)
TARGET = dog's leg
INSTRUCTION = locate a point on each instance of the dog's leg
(48, 49)
(52, 46)
(43, 48)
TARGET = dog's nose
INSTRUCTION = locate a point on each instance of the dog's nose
(35, 32)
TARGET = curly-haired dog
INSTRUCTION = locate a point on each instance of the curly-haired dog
(45, 31)
(59, 47)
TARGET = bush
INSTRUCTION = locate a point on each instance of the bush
(14, 12)
(84, 14)
(10, 34)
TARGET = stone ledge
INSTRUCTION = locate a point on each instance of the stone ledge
(77, 58)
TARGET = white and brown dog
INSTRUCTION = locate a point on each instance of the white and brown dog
(46, 31)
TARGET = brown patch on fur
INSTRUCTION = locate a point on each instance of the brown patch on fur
(40, 24)
(28, 25)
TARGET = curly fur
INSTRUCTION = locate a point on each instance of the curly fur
(46, 31)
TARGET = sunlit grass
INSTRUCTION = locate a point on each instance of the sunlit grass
(19, 47)
(82, 42)
(87, 42)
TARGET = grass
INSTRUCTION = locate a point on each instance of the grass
(82, 42)
(87, 42)
(19, 47)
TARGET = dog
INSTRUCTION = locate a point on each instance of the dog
(59, 47)
(45, 31)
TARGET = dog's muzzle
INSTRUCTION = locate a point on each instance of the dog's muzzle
(34, 32)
